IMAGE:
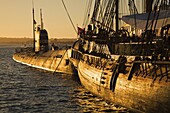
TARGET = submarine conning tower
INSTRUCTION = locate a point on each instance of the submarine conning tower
(40, 36)
(41, 40)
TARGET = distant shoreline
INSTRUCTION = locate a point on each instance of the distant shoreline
(29, 41)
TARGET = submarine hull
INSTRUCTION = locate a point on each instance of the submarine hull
(52, 60)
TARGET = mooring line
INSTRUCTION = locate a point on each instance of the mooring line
(60, 61)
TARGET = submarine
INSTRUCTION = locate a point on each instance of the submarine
(40, 56)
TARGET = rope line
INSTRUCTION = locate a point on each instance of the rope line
(69, 16)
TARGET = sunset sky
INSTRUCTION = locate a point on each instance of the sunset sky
(16, 17)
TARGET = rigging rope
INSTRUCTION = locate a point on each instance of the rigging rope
(87, 17)
(69, 16)
(154, 16)
(85, 13)
(166, 18)
(102, 10)
(157, 18)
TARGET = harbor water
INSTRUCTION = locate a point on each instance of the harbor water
(25, 89)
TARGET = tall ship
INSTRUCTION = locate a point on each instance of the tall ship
(40, 56)
(120, 65)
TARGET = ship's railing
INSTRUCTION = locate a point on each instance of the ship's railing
(76, 54)
(95, 61)
(151, 67)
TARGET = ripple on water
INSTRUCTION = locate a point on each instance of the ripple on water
(91, 103)
(26, 89)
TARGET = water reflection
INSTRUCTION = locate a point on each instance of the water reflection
(91, 103)
(26, 89)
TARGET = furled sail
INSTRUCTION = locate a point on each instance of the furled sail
(162, 17)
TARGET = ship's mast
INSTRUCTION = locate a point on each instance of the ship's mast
(96, 11)
(34, 22)
(42, 24)
(149, 5)
(117, 16)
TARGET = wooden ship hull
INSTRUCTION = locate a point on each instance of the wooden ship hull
(75, 56)
(142, 91)
(129, 70)
(52, 60)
